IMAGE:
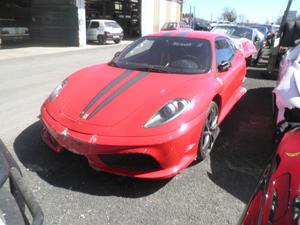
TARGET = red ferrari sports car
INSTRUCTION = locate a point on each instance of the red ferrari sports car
(277, 197)
(151, 111)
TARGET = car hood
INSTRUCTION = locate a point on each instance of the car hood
(104, 95)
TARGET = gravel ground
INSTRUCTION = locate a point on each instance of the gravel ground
(214, 191)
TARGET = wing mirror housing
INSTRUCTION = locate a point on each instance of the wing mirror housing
(117, 54)
(224, 66)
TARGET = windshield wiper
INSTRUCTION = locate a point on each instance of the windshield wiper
(149, 68)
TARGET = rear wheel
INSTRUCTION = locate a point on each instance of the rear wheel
(117, 41)
(209, 133)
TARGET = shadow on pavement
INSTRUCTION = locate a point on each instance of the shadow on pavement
(244, 145)
(70, 171)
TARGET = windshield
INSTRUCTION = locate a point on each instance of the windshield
(112, 24)
(167, 55)
(170, 26)
(240, 32)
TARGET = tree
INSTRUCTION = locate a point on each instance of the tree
(229, 14)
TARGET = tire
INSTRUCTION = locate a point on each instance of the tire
(101, 39)
(117, 41)
(209, 132)
(288, 34)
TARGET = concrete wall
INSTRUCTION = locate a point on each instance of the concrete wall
(156, 12)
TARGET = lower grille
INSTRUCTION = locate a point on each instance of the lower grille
(134, 162)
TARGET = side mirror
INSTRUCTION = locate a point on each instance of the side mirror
(117, 54)
(224, 66)
(256, 39)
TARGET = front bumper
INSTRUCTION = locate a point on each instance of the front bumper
(172, 152)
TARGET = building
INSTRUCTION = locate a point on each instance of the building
(63, 21)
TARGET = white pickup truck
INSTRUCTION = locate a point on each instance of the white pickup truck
(103, 30)
(9, 30)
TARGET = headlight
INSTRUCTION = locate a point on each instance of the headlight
(57, 91)
(168, 112)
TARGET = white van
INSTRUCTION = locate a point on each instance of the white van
(103, 30)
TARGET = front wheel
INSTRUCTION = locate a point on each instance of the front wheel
(117, 41)
(209, 133)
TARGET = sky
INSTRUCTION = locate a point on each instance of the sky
(258, 11)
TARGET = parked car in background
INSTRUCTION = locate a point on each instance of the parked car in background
(11, 31)
(104, 30)
(261, 29)
(220, 22)
(171, 26)
(201, 25)
(15, 195)
(243, 32)
(153, 110)
(271, 33)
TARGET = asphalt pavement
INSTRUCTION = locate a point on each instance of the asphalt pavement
(214, 191)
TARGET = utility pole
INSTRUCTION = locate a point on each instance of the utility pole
(194, 12)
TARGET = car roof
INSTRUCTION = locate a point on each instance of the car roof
(189, 34)
(229, 26)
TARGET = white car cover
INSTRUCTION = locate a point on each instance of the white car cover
(245, 46)
(287, 91)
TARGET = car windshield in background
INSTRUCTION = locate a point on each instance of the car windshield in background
(112, 24)
(170, 26)
(167, 55)
(264, 30)
(239, 32)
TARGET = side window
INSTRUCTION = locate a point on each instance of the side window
(232, 45)
(94, 25)
(224, 50)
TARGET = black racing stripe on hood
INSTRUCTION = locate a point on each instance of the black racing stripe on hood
(110, 98)
(105, 90)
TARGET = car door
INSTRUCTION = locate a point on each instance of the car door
(92, 30)
(232, 78)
